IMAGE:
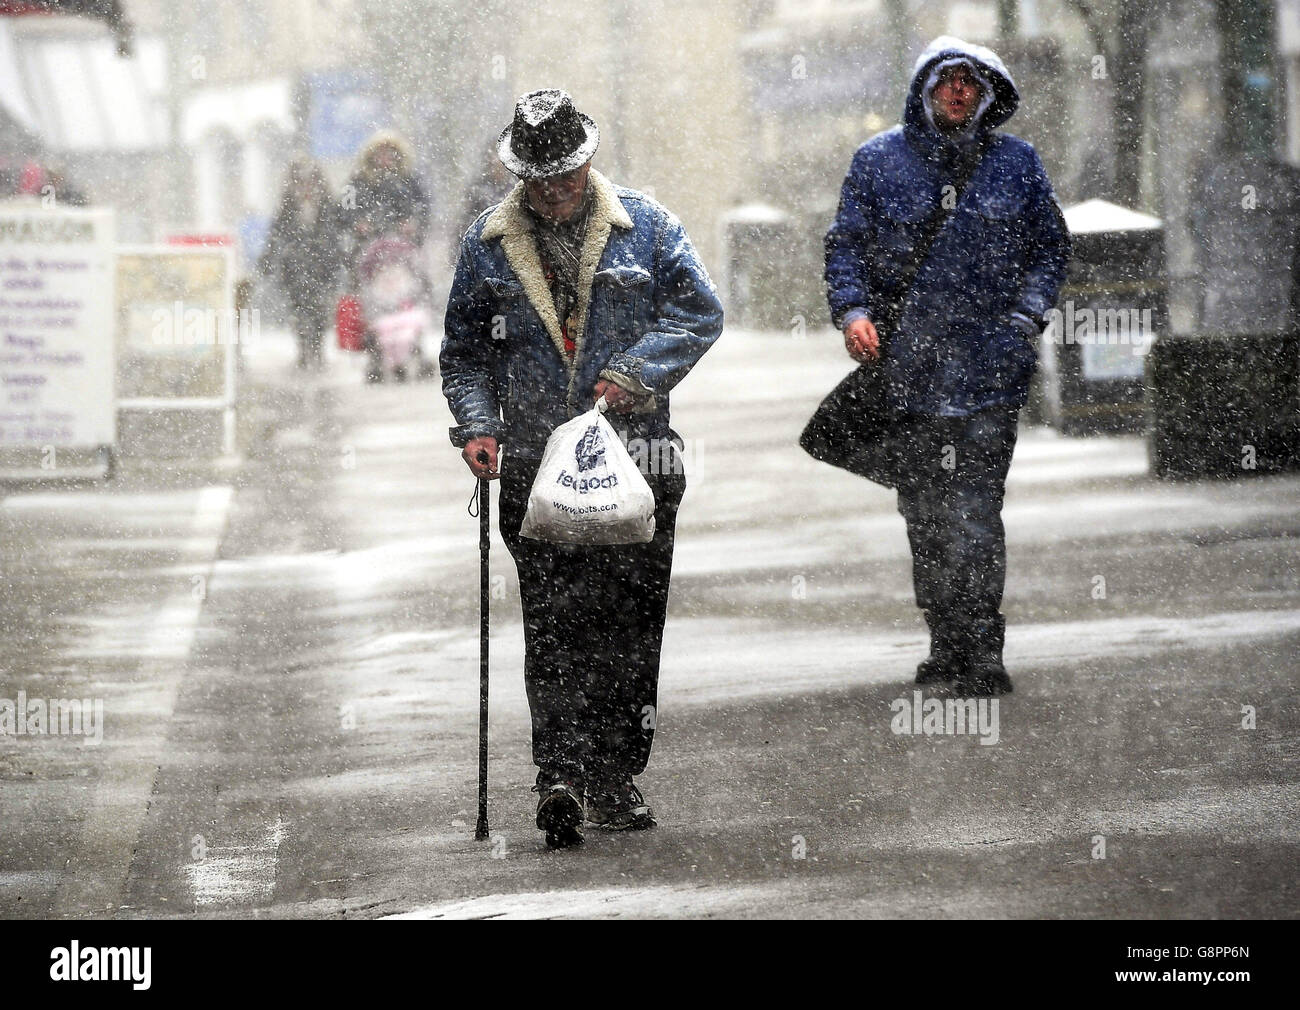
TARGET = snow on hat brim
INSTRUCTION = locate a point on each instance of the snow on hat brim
(532, 170)
(548, 136)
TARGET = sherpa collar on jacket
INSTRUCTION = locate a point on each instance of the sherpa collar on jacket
(511, 223)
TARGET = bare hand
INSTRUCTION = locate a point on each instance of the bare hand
(618, 399)
(861, 340)
(475, 451)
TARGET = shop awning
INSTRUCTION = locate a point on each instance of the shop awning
(107, 11)
(80, 95)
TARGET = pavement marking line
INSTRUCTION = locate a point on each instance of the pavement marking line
(609, 902)
(96, 874)
(237, 874)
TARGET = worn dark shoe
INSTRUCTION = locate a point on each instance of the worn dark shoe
(560, 813)
(984, 675)
(944, 663)
(620, 809)
(986, 680)
(938, 670)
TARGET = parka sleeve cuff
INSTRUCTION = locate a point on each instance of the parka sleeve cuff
(1033, 306)
(463, 434)
(851, 316)
(628, 382)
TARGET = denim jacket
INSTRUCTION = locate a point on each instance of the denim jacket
(647, 312)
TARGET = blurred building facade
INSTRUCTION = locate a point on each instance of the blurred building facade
(828, 74)
(81, 122)
(721, 110)
(255, 84)
(191, 131)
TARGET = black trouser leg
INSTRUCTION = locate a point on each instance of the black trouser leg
(593, 629)
(625, 709)
(554, 670)
(923, 506)
(951, 500)
(310, 320)
(976, 490)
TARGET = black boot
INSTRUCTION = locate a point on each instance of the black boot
(944, 662)
(985, 676)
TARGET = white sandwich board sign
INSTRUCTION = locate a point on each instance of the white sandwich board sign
(57, 347)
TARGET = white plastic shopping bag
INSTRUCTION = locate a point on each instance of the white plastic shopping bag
(588, 490)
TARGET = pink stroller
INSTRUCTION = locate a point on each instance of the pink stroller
(397, 304)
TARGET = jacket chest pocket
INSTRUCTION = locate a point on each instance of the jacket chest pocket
(997, 213)
(620, 297)
(1000, 211)
(507, 310)
(902, 213)
(1000, 204)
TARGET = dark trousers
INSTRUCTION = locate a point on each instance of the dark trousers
(310, 321)
(593, 627)
(954, 476)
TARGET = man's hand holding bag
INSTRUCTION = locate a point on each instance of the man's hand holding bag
(588, 490)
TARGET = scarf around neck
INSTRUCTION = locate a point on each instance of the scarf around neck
(559, 244)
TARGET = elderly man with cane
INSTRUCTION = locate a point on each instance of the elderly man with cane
(569, 290)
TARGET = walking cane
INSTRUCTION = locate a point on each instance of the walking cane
(484, 507)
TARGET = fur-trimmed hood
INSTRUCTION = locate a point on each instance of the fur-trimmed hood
(366, 167)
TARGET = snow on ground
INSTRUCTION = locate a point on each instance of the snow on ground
(338, 578)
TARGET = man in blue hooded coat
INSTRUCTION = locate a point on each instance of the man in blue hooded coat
(957, 325)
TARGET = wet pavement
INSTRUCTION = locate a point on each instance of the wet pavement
(286, 653)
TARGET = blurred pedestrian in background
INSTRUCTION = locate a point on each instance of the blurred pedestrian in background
(385, 217)
(384, 196)
(488, 186)
(303, 254)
